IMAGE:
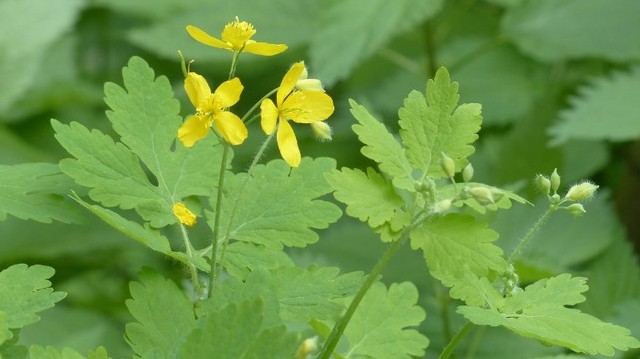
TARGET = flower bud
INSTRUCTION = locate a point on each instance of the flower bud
(447, 165)
(321, 131)
(543, 184)
(442, 206)
(581, 191)
(308, 346)
(555, 180)
(309, 85)
(554, 199)
(576, 209)
(184, 215)
(467, 173)
(482, 194)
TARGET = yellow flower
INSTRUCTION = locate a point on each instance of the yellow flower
(211, 110)
(236, 37)
(184, 215)
(302, 106)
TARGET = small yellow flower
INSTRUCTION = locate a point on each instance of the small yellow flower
(184, 215)
(301, 106)
(236, 37)
(211, 109)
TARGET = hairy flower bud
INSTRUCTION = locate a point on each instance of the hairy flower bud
(581, 191)
(467, 173)
(308, 346)
(482, 194)
(184, 215)
(576, 209)
(442, 206)
(543, 184)
(448, 166)
(321, 131)
(555, 181)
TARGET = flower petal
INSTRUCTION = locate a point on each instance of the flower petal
(193, 130)
(288, 145)
(268, 116)
(202, 37)
(228, 93)
(264, 49)
(311, 106)
(289, 82)
(197, 89)
(231, 127)
(184, 215)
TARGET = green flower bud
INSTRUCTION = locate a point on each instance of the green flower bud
(448, 166)
(576, 210)
(555, 180)
(442, 206)
(482, 194)
(581, 191)
(467, 173)
(543, 184)
(554, 199)
(321, 130)
(308, 346)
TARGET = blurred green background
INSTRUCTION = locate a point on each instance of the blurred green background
(559, 82)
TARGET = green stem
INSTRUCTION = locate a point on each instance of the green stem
(432, 66)
(216, 223)
(444, 311)
(234, 64)
(255, 106)
(193, 271)
(530, 234)
(453, 344)
(339, 328)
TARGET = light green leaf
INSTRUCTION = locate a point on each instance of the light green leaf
(39, 352)
(434, 124)
(455, 244)
(540, 312)
(368, 196)
(382, 147)
(552, 31)
(25, 291)
(243, 258)
(5, 333)
(237, 331)
(164, 315)
(603, 110)
(36, 191)
(277, 206)
(145, 114)
(380, 326)
(366, 31)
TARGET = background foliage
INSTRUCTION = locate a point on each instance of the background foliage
(558, 83)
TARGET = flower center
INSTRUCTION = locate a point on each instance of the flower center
(237, 33)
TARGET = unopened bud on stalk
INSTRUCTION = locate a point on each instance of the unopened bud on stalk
(467, 173)
(448, 166)
(543, 184)
(321, 131)
(184, 215)
(555, 181)
(482, 194)
(581, 191)
(308, 346)
(442, 206)
(576, 209)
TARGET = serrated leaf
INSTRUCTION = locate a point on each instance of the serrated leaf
(277, 206)
(548, 31)
(367, 31)
(237, 331)
(145, 114)
(382, 147)
(380, 326)
(368, 196)
(48, 352)
(164, 315)
(36, 191)
(603, 110)
(540, 312)
(435, 124)
(243, 258)
(25, 291)
(455, 244)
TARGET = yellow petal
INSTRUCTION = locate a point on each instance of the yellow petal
(202, 37)
(228, 93)
(268, 116)
(263, 48)
(193, 130)
(231, 127)
(197, 89)
(184, 215)
(289, 82)
(288, 145)
(312, 106)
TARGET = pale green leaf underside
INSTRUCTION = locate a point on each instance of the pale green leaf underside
(552, 31)
(145, 114)
(278, 205)
(368, 196)
(540, 312)
(164, 315)
(605, 110)
(435, 124)
(238, 331)
(36, 191)
(379, 327)
(242, 258)
(381, 146)
(25, 291)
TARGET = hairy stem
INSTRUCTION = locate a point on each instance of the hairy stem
(453, 344)
(213, 279)
(193, 271)
(530, 234)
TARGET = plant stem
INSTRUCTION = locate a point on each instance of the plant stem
(216, 223)
(432, 66)
(340, 326)
(193, 271)
(453, 344)
(530, 234)
(255, 106)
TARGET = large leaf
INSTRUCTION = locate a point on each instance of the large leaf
(435, 124)
(145, 114)
(277, 206)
